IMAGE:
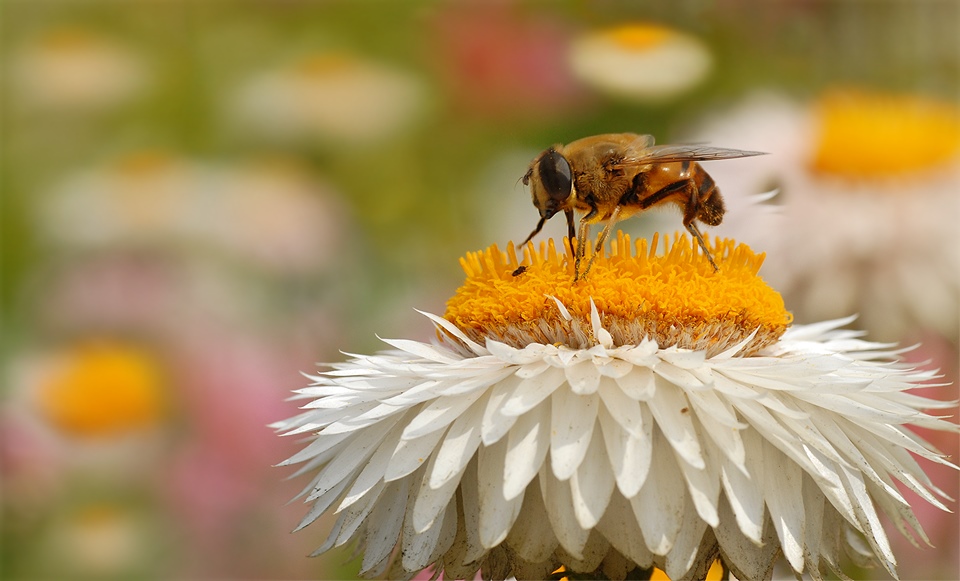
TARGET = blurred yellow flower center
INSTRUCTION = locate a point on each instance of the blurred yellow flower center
(639, 37)
(68, 39)
(145, 163)
(320, 65)
(102, 389)
(674, 298)
(874, 135)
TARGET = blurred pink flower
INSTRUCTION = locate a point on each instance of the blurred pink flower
(498, 61)
(221, 484)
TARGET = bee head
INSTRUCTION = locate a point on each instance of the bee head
(551, 182)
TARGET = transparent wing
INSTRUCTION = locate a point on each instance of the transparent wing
(686, 152)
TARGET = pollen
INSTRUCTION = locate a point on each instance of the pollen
(674, 297)
(863, 134)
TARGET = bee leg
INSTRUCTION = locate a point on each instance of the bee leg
(692, 228)
(571, 230)
(581, 247)
(535, 232)
(690, 213)
(601, 239)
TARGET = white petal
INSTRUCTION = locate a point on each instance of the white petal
(743, 491)
(559, 505)
(411, 454)
(703, 487)
(494, 424)
(629, 455)
(438, 414)
(672, 411)
(473, 549)
(622, 408)
(592, 484)
(458, 446)
(373, 472)
(813, 506)
(388, 514)
(684, 552)
(454, 331)
(619, 526)
(527, 446)
(430, 501)
(497, 514)
(420, 550)
(572, 418)
(583, 377)
(424, 350)
(532, 391)
(599, 333)
(354, 455)
(747, 559)
(639, 384)
(532, 535)
(678, 376)
(782, 481)
(659, 506)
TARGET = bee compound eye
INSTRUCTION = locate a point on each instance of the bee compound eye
(555, 175)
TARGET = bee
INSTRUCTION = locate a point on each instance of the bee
(613, 176)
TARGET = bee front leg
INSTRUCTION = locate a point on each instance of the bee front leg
(601, 239)
(571, 230)
(581, 246)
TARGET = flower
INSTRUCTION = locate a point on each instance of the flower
(267, 211)
(867, 185)
(336, 96)
(641, 61)
(71, 68)
(495, 63)
(656, 414)
(102, 388)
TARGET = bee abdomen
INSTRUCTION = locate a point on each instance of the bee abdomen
(711, 208)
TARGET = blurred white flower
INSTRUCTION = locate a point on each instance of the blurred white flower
(868, 204)
(276, 213)
(269, 211)
(76, 68)
(97, 540)
(332, 96)
(141, 196)
(642, 61)
(673, 421)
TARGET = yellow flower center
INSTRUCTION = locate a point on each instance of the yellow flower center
(68, 40)
(145, 163)
(321, 65)
(674, 298)
(865, 134)
(639, 37)
(102, 389)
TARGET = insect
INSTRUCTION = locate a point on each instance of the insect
(613, 176)
(520, 270)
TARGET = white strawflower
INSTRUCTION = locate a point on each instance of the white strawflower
(657, 413)
(335, 96)
(76, 69)
(640, 61)
(868, 187)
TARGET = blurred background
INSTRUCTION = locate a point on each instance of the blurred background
(202, 199)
